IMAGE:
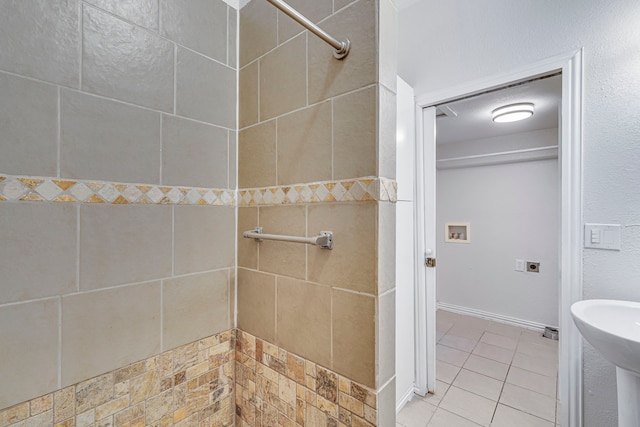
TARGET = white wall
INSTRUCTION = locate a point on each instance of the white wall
(513, 210)
(405, 323)
(445, 44)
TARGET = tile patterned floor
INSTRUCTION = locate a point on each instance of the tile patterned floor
(488, 374)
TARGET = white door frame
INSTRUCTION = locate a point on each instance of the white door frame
(570, 354)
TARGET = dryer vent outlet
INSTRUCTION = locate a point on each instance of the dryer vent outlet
(533, 267)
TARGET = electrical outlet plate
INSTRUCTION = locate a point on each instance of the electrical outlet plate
(520, 265)
(533, 267)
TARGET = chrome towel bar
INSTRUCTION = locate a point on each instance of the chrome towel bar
(324, 240)
(341, 46)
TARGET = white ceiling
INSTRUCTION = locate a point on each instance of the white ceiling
(474, 122)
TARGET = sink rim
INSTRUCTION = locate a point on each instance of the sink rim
(579, 308)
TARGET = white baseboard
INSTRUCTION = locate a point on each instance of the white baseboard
(408, 395)
(493, 316)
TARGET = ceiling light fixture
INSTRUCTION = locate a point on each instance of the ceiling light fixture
(512, 113)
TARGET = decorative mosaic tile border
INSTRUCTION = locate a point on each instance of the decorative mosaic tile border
(278, 388)
(190, 385)
(347, 190)
(40, 189)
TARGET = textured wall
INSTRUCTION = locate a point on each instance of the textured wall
(309, 126)
(448, 44)
(128, 114)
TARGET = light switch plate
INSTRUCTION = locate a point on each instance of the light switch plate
(602, 236)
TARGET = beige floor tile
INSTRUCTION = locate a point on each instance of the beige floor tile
(499, 340)
(532, 381)
(416, 413)
(509, 417)
(459, 343)
(451, 355)
(487, 367)
(446, 372)
(436, 398)
(439, 335)
(535, 364)
(536, 337)
(478, 384)
(493, 352)
(468, 405)
(529, 401)
(443, 326)
(443, 418)
(466, 331)
(538, 350)
(506, 330)
(442, 315)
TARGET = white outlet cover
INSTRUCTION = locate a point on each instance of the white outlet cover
(520, 265)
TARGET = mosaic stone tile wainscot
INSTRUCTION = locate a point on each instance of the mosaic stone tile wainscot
(191, 385)
(277, 388)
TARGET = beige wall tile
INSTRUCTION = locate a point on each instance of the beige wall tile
(386, 133)
(205, 89)
(108, 140)
(194, 307)
(233, 159)
(387, 405)
(283, 258)
(352, 262)
(257, 156)
(304, 319)
(232, 28)
(354, 354)
(38, 250)
(283, 78)
(315, 11)
(355, 134)
(339, 4)
(194, 154)
(29, 334)
(122, 244)
(386, 246)
(386, 338)
(232, 298)
(108, 329)
(304, 145)
(200, 25)
(40, 39)
(258, 30)
(387, 44)
(248, 94)
(108, 46)
(247, 248)
(140, 12)
(29, 117)
(328, 77)
(257, 303)
(204, 238)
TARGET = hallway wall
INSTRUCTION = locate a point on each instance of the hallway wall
(475, 47)
(117, 160)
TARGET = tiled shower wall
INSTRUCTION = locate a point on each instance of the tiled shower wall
(98, 273)
(306, 117)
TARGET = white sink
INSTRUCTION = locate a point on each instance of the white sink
(613, 328)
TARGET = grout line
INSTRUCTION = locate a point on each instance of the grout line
(277, 153)
(306, 71)
(81, 46)
(78, 231)
(259, 100)
(306, 252)
(333, 173)
(173, 239)
(258, 244)
(161, 146)
(227, 34)
(161, 316)
(59, 343)
(175, 78)
(59, 133)
(331, 327)
(275, 317)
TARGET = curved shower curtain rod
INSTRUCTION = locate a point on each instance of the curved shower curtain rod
(341, 46)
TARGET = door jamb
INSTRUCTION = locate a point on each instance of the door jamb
(570, 354)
